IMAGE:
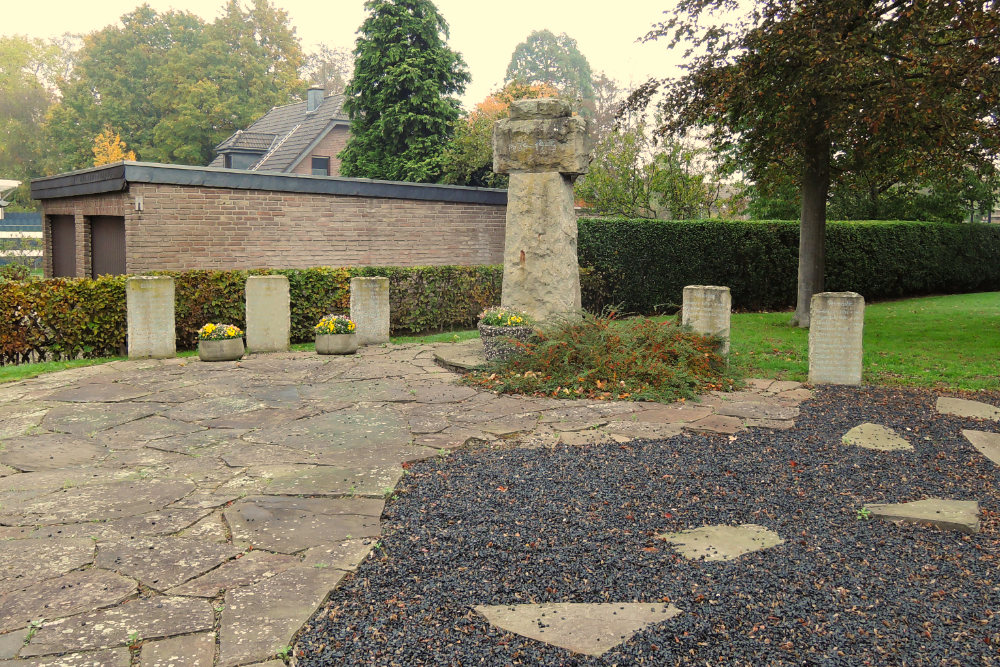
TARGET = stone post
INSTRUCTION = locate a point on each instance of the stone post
(151, 329)
(544, 149)
(268, 314)
(706, 309)
(835, 332)
(370, 309)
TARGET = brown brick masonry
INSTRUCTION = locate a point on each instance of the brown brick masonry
(183, 227)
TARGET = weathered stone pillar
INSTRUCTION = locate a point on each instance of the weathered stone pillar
(836, 327)
(370, 309)
(151, 329)
(268, 313)
(544, 149)
(706, 309)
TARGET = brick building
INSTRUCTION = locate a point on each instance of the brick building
(133, 217)
(299, 138)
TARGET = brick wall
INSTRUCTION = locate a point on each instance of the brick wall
(330, 146)
(196, 227)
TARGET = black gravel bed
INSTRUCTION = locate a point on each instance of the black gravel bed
(578, 524)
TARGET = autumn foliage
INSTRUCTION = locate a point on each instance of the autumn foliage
(109, 147)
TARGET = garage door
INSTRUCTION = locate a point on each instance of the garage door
(107, 245)
(63, 230)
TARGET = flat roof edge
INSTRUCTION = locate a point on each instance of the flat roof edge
(116, 177)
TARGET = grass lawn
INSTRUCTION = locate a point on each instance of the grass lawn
(25, 371)
(940, 342)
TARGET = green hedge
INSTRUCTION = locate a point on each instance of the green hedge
(68, 318)
(645, 264)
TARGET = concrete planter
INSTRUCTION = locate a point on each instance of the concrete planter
(220, 350)
(496, 340)
(336, 343)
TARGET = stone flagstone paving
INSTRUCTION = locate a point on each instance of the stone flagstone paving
(187, 513)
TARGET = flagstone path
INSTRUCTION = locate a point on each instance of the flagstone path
(189, 513)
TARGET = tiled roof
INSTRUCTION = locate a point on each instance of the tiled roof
(294, 129)
(247, 140)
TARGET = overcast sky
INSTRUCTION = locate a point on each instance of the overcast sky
(484, 32)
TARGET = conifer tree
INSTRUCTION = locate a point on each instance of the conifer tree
(401, 99)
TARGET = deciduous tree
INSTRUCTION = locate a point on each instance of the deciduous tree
(109, 147)
(401, 99)
(813, 89)
(554, 60)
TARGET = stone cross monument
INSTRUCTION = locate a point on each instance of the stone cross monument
(544, 148)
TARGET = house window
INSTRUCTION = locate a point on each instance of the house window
(321, 166)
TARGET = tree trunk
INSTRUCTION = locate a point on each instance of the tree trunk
(812, 227)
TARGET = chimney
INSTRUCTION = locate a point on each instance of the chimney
(314, 98)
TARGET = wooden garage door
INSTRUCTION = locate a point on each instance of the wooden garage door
(63, 230)
(107, 245)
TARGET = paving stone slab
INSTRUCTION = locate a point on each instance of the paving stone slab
(722, 542)
(288, 525)
(116, 657)
(150, 618)
(784, 385)
(441, 392)
(96, 502)
(140, 432)
(464, 356)
(162, 562)
(794, 396)
(11, 643)
(675, 413)
(52, 480)
(451, 438)
(876, 436)
(346, 555)
(595, 437)
(88, 418)
(257, 418)
(50, 451)
(103, 392)
(762, 409)
(588, 629)
(961, 407)
(243, 571)
(199, 440)
(209, 529)
(338, 431)
(17, 420)
(212, 407)
(960, 515)
(346, 391)
(773, 424)
(185, 651)
(509, 425)
(27, 562)
(988, 444)
(73, 593)
(260, 620)
(311, 480)
(720, 424)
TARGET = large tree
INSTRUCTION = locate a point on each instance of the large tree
(26, 70)
(814, 89)
(553, 60)
(401, 100)
(174, 86)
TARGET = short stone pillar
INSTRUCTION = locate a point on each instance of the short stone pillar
(544, 148)
(151, 329)
(836, 326)
(707, 309)
(269, 314)
(370, 309)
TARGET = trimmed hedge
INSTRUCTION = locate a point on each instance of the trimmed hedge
(643, 265)
(68, 318)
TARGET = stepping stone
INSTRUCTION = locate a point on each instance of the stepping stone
(116, 657)
(676, 413)
(588, 629)
(151, 618)
(260, 620)
(761, 409)
(961, 407)
(651, 430)
(722, 542)
(190, 651)
(988, 444)
(874, 436)
(73, 593)
(960, 515)
(716, 424)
